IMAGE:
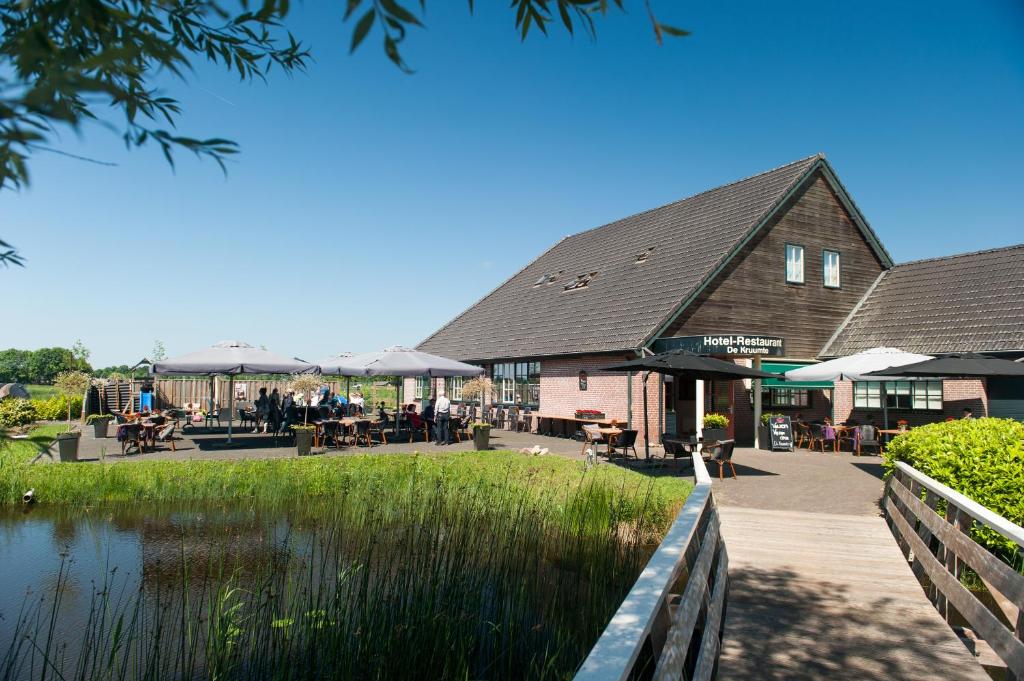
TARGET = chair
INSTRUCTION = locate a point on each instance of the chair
(129, 434)
(246, 416)
(823, 435)
(377, 428)
(460, 428)
(331, 430)
(625, 441)
(868, 436)
(471, 412)
(803, 435)
(166, 434)
(361, 433)
(213, 413)
(723, 456)
(592, 436)
(848, 434)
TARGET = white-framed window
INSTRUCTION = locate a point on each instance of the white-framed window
(517, 383)
(830, 269)
(920, 395)
(453, 388)
(794, 264)
(422, 387)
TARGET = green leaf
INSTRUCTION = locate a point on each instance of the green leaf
(362, 28)
(673, 31)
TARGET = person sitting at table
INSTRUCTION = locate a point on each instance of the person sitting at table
(415, 420)
(289, 412)
(262, 409)
(358, 401)
(968, 413)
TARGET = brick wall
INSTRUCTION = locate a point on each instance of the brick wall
(956, 394)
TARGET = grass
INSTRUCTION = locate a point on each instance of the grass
(41, 392)
(493, 565)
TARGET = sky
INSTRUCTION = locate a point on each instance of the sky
(368, 207)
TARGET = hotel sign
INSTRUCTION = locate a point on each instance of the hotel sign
(739, 344)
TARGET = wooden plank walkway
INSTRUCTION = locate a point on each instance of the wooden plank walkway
(829, 596)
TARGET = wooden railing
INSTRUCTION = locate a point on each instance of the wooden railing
(932, 524)
(670, 625)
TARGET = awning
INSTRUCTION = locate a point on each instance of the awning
(781, 368)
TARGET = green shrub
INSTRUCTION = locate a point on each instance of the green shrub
(56, 408)
(713, 420)
(16, 412)
(982, 459)
(767, 417)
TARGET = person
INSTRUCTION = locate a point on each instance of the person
(262, 410)
(414, 420)
(428, 416)
(288, 411)
(968, 414)
(274, 417)
(442, 415)
(358, 401)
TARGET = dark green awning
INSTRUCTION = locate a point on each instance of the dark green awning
(781, 368)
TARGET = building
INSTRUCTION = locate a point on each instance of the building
(769, 271)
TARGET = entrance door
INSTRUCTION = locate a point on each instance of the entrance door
(720, 399)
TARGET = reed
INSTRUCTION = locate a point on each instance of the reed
(483, 566)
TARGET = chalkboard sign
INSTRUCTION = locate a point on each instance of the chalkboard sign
(780, 428)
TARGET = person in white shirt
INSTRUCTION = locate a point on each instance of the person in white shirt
(442, 415)
(358, 401)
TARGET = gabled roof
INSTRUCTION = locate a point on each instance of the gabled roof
(972, 302)
(628, 278)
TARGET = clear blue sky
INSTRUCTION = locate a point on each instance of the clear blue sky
(369, 207)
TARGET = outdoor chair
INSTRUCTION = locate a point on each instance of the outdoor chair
(722, 455)
(246, 416)
(625, 441)
(377, 429)
(513, 420)
(361, 433)
(460, 428)
(213, 413)
(471, 413)
(331, 431)
(130, 434)
(868, 436)
(166, 434)
(848, 435)
(592, 436)
(822, 436)
(802, 436)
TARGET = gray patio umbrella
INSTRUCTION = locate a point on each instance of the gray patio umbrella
(963, 365)
(398, 361)
(231, 358)
(685, 364)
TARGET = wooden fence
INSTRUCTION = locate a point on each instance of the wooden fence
(934, 533)
(670, 625)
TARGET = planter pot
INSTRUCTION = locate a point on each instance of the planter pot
(100, 427)
(304, 442)
(714, 434)
(67, 444)
(481, 439)
(764, 438)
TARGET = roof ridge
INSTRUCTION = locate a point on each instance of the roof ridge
(960, 255)
(814, 157)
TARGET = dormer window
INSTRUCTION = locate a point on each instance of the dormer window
(643, 256)
(581, 281)
(548, 279)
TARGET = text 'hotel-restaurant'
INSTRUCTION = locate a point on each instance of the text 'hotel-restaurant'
(778, 270)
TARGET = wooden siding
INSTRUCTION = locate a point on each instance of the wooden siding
(751, 295)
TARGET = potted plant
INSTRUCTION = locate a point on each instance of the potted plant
(67, 444)
(304, 439)
(481, 436)
(901, 425)
(99, 423)
(72, 384)
(714, 427)
(764, 437)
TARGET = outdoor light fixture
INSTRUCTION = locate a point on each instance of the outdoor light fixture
(583, 380)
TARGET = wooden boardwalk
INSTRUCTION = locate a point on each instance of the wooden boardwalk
(826, 596)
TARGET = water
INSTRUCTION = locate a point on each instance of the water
(333, 589)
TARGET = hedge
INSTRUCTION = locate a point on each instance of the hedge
(982, 459)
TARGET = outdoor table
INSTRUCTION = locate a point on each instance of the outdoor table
(540, 416)
(891, 433)
(610, 433)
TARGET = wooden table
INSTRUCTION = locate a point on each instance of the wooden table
(559, 417)
(610, 433)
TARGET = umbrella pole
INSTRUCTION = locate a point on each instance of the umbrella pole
(647, 439)
(398, 387)
(348, 382)
(231, 403)
(885, 407)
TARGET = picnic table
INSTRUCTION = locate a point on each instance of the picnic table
(541, 416)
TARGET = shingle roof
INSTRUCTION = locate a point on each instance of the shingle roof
(972, 302)
(625, 302)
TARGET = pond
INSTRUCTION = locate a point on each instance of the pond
(462, 582)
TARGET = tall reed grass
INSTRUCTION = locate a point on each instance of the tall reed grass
(476, 567)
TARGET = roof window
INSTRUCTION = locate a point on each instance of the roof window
(581, 281)
(643, 256)
(548, 278)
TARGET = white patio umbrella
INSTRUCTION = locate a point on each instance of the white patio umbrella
(231, 358)
(398, 361)
(856, 368)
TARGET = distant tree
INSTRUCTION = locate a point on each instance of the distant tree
(81, 355)
(119, 371)
(45, 363)
(159, 352)
(14, 366)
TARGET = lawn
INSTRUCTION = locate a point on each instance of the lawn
(41, 392)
